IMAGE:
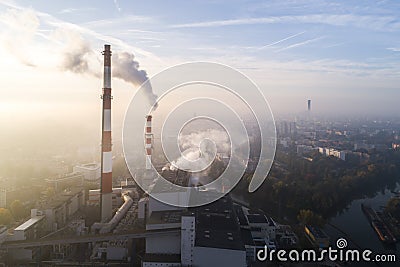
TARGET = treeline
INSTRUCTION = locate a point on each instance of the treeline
(324, 186)
(16, 211)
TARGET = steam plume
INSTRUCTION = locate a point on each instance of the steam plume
(76, 60)
(192, 144)
(126, 68)
(79, 54)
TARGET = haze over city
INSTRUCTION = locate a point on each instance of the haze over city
(92, 172)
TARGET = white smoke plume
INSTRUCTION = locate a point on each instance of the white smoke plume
(197, 154)
(75, 57)
(124, 65)
(126, 68)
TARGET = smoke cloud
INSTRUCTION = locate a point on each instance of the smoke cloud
(126, 68)
(199, 149)
(77, 56)
(75, 60)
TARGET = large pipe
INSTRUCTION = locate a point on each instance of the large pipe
(149, 142)
(104, 228)
(106, 152)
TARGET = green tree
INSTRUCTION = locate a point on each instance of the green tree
(5, 216)
(18, 210)
(50, 192)
(393, 206)
(309, 217)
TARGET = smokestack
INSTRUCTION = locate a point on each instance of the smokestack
(149, 142)
(309, 104)
(106, 152)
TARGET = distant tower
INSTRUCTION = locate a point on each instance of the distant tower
(106, 155)
(149, 142)
(309, 104)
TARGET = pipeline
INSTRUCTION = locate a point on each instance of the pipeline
(104, 228)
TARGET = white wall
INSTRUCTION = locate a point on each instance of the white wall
(168, 244)
(206, 256)
(187, 240)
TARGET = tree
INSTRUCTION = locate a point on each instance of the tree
(393, 207)
(50, 192)
(5, 216)
(309, 217)
(18, 210)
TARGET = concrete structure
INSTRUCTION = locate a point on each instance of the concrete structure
(148, 142)
(91, 171)
(33, 228)
(95, 197)
(106, 155)
(309, 104)
(332, 152)
(209, 236)
(143, 208)
(64, 181)
(60, 209)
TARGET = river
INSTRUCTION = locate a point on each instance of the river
(353, 222)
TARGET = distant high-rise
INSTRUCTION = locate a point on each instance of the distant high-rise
(309, 104)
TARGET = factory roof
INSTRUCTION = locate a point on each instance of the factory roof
(29, 223)
(165, 217)
(257, 218)
(170, 258)
(160, 185)
(217, 226)
(260, 218)
(247, 237)
(60, 198)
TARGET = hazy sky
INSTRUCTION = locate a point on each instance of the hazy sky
(344, 55)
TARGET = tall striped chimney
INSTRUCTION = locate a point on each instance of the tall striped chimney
(149, 142)
(106, 152)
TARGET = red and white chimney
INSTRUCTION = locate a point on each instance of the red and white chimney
(149, 142)
(106, 151)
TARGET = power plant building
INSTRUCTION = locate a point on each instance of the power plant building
(91, 171)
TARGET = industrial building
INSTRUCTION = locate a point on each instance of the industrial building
(64, 181)
(91, 171)
(222, 233)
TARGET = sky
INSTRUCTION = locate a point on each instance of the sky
(344, 55)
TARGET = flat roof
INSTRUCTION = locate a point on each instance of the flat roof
(164, 217)
(170, 258)
(29, 223)
(60, 198)
(257, 218)
(217, 226)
